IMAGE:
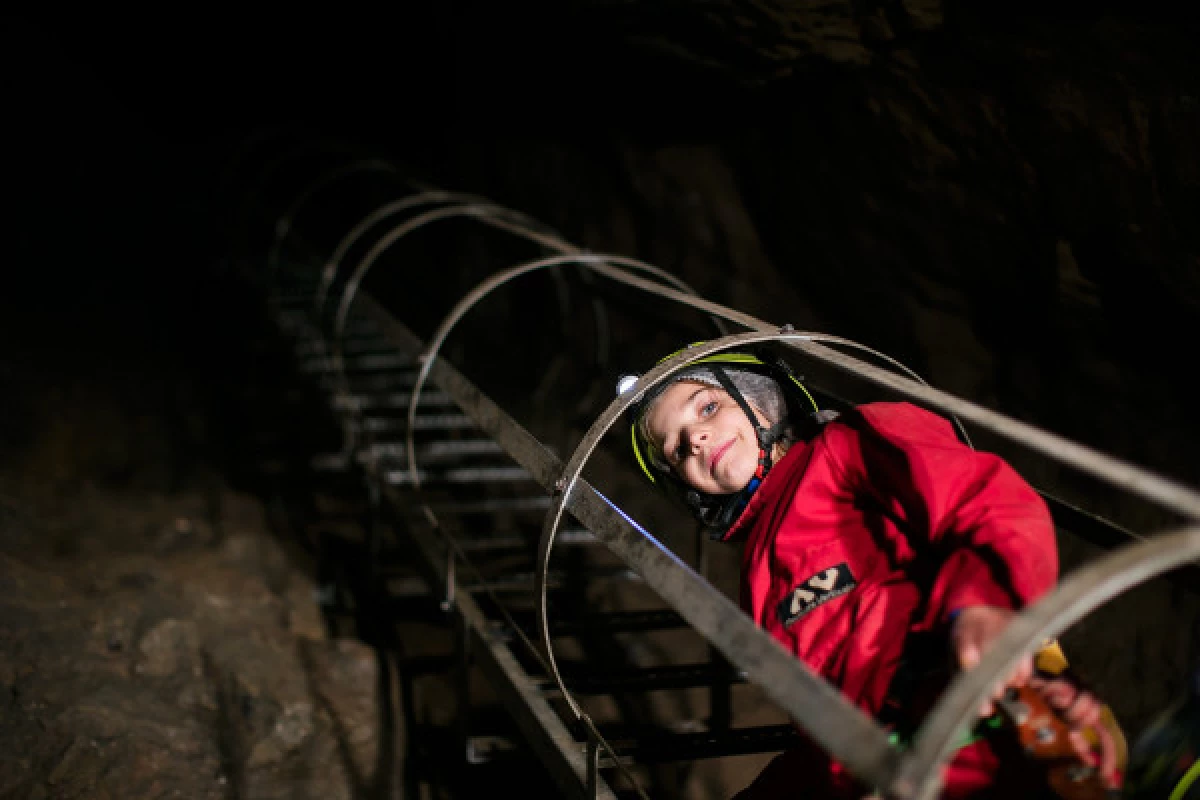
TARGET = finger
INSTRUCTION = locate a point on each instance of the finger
(1017, 678)
(1107, 744)
(1084, 711)
(1060, 694)
(998, 693)
(1083, 749)
(1022, 673)
(968, 655)
(1102, 755)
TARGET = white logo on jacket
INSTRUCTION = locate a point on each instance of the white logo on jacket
(815, 591)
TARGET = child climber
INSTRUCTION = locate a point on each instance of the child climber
(878, 548)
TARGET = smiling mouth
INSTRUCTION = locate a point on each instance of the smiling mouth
(718, 455)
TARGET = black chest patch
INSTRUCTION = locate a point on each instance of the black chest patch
(819, 589)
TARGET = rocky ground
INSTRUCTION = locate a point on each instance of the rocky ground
(158, 637)
(150, 647)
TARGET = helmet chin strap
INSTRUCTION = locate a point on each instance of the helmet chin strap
(767, 437)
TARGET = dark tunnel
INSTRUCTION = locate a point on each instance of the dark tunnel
(1000, 196)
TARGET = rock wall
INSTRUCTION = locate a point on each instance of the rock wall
(1000, 199)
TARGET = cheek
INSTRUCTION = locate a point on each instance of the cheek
(695, 476)
(746, 462)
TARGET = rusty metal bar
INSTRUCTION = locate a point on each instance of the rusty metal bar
(543, 729)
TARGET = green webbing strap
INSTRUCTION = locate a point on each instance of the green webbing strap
(901, 741)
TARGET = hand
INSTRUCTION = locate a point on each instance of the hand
(974, 630)
(1081, 710)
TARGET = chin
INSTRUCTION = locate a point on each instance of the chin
(741, 482)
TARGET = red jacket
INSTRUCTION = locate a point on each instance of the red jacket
(878, 529)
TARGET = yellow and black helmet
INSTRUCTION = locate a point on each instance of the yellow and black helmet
(747, 376)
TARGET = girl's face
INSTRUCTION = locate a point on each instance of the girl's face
(705, 437)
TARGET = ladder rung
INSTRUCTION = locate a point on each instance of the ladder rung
(569, 538)
(662, 745)
(645, 679)
(510, 582)
(486, 749)
(388, 401)
(330, 462)
(371, 362)
(402, 477)
(493, 505)
(439, 451)
(658, 619)
(375, 382)
(511, 541)
(316, 346)
(424, 422)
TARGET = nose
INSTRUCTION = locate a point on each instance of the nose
(697, 436)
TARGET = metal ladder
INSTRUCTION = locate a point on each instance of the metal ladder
(465, 536)
(475, 483)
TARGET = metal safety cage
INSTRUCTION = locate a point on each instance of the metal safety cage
(318, 280)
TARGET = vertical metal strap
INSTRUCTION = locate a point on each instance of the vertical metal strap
(462, 681)
(593, 761)
(373, 532)
(720, 691)
(701, 552)
(447, 602)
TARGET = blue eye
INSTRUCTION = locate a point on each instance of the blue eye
(709, 408)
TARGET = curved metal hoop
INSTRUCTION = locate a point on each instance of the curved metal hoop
(481, 211)
(529, 228)
(269, 171)
(515, 222)
(1084, 590)
(283, 225)
(471, 299)
(519, 224)
(424, 197)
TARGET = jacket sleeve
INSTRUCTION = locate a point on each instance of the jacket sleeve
(985, 530)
